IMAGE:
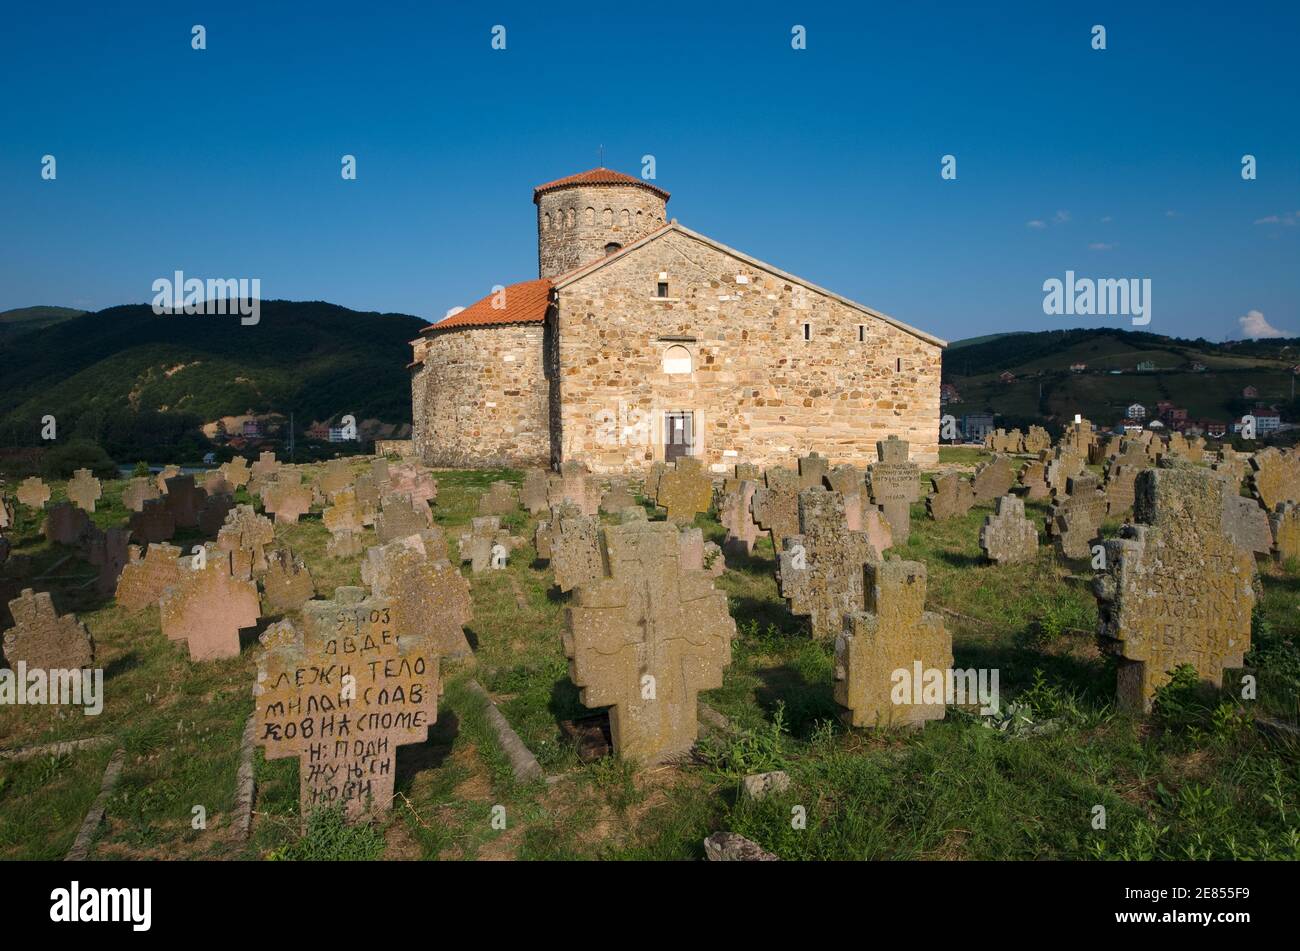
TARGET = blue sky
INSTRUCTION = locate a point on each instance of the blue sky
(824, 162)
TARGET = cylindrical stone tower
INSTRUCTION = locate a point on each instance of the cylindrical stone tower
(584, 217)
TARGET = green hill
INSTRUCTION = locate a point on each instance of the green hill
(1206, 378)
(26, 319)
(137, 383)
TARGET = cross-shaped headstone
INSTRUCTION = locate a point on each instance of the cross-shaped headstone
(685, 491)
(245, 535)
(137, 492)
(287, 498)
(952, 497)
(184, 500)
(153, 523)
(1275, 476)
(84, 490)
(533, 496)
(1075, 519)
(851, 483)
(1176, 590)
(335, 477)
(776, 505)
(287, 582)
(429, 597)
(66, 524)
(892, 639)
(413, 481)
(209, 607)
(993, 479)
(1034, 478)
(400, 516)
(575, 548)
(735, 515)
(476, 545)
(616, 497)
(1007, 536)
(646, 639)
(340, 696)
(820, 569)
(144, 580)
(236, 472)
(33, 493)
(895, 484)
(43, 639)
(812, 470)
(168, 472)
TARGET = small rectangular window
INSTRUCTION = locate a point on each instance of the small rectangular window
(862, 333)
(807, 331)
(899, 366)
(661, 289)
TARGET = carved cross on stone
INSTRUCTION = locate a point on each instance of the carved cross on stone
(821, 569)
(209, 607)
(776, 505)
(894, 639)
(646, 640)
(477, 544)
(1176, 590)
(1007, 536)
(287, 498)
(341, 696)
(33, 493)
(429, 597)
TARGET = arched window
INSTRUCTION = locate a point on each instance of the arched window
(591, 217)
(612, 247)
(608, 216)
(546, 222)
(639, 219)
(571, 218)
(627, 219)
(677, 359)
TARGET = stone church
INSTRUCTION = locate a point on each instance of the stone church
(642, 340)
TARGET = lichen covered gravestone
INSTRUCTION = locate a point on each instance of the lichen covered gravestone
(1076, 519)
(137, 492)
(993, 479)
(400, 516)
(144, 580)
(485, 537)
(952, 497)
(775, 505)
(895, 483)
(33, 493)
(153, 523)
(1176, 590)
(341, 695)
(429, 598)
(1275, 476)
(533, 496)
(287, 498)
(736, 517)
(1244, 522)
(287, 582)
(685, 491)
(1285, 523)
(893, 643)
(1007, 536)
(821, 569)
(812, 470)
(616, 497)
(575, 548)
(574, 484)
(1034, 479)
(646, 639)
(43, 639)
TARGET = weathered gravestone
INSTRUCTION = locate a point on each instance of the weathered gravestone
(548, 529)
(1006, 536)
(287, 498)
(1275, 476)
(208, 608)
(993, 479)
(576, 485)
(953, 496)
(84, 490)
(213, 512)
(413, 481)
(1245, 523)
(533, 496)
(1285, 523)
(33, 493)
(184, 500)
(343, 520)
(109, 552)
(1075, 519)
(685, 491)
(1061, 468)
(1175, 590)
(850, 482)
(43, 639)
(1034, 479)
(652, 478)
(144, 580)
(66, 524)
(1036, 440)
(646, 639)
(776, 505)
(479, 546)
(1233, 465)
(236, 472)
(575, 548)
(741, 472)
(138, 491)
(812, 470)
(616, 498)
(894, 643)
(500, 499)
(735, 515)
(153, 523)
(400, 516)
(265, 468)
(820, 570)
(430, 599)
(1079, 437)
(895, 484)
(287, 582)
(214, 483)
(335, 477)
(1120, 479)
(245, 535)
(168, 472)
(341, 696)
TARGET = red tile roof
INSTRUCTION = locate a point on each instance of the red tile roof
(597, 176)
(525, 303)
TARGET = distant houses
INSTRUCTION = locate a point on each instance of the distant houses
(975, 426)
(1078, 367)
(1249, 393)
(1146, 366)
(1006, 376)
(1137, 411)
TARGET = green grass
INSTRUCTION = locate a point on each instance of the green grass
(1196, 780)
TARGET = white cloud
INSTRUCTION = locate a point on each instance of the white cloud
(1283, 219)
(1106, 219)
(1173, 214)
(1037, 224)
(1100, 246)
(1061, 217)
(1254, 326)
(452, 312)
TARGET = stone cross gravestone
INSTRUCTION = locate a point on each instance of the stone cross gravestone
(33, 493)
(775, 506)
(476, 545)
(84, 490)
(533, 496)
(993, 479)
(137, 492)
(812, 470)
(208, 608)
(616, 498)
(1176, 590)
(66, 524)
(736, 517)
(646, 639)
(287, 498)
(501, 499)
(287, 582)
(1034, 479)
(167, 472)
(245, 535)
(1075, 519)
(399, 516)
(685, 491)
(341, 696)
(184, 500)
(953, 497)
(335, 477)
(144, 580)
(429, 598)
(1006, 536)
(895, 483)
(236, 472)
(1245, 523)
(1285, 524)
(413, 481)
(43, 639)
(1119, 489)
(821, 569)
(153, 523)
(575, 549)
(1275, 476)
(893, 642)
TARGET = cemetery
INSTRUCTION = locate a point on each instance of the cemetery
(369, 658)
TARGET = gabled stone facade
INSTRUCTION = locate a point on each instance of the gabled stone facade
(670, 345)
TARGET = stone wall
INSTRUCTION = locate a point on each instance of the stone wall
(760, 392)
(480, 398)
(575, 224)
